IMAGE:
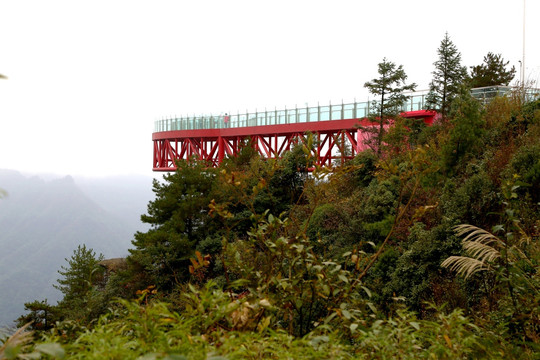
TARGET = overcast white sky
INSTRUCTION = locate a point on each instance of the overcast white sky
(87, 79)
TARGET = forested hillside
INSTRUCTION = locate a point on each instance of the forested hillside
(42, 222)
(426, 246)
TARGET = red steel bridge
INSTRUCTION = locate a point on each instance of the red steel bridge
(271, 133)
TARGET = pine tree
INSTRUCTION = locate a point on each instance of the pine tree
(180, 220)
(448, 76)
(76, 278)
(388, 88)
(41, 314)
(491, 72)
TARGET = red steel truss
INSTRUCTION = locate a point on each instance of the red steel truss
(336, 140)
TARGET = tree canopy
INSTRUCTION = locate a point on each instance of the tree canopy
(76, 278)
(179, 219)
(389, 90)
(448, 76)
(493, 71)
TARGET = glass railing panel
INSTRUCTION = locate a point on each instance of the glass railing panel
(361, 110)
(348, 111)
(242, 120)
(281, 117)
(324, 113)
(291, 117)
(336, 112)
(313, 114)
(261, 119)
(271, 118)
(320, 113)
(232, 120)
(302, 115)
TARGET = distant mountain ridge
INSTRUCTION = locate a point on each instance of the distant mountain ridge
(42, 222)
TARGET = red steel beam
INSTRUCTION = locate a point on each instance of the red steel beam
(271, 141)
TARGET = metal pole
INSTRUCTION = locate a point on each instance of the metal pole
(523, 64)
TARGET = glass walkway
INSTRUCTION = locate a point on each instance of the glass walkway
(356, 110)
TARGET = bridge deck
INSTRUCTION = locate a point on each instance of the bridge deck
(337, 140)
(214, 137)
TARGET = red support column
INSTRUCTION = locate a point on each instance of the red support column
(221, 149)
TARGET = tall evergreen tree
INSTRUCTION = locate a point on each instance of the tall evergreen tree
(448, 76)
(76, 278)
(493, 71)
(78, 281)
(388, 89)
(180, 219)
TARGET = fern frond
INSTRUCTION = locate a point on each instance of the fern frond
(463, 265)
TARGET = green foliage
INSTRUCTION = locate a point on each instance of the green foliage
(321, 230)
(287, 274)
(180, 220)
(491, 72)
(448, 77)
(379, 200)
(388, 89)
(332, 264)
(153, 331)
(76, 279)
(513, 260)
(531, 112)
(364, 168)
(447, 336)
(465, 135)
(78, 283)
(526, 165)
(416, 270)
(41, 315)
(286, 184)
(473, 200)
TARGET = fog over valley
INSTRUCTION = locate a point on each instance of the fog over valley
(44, 218)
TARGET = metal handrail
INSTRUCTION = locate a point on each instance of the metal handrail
(355, 110)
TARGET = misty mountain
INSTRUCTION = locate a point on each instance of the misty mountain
(43, 221)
